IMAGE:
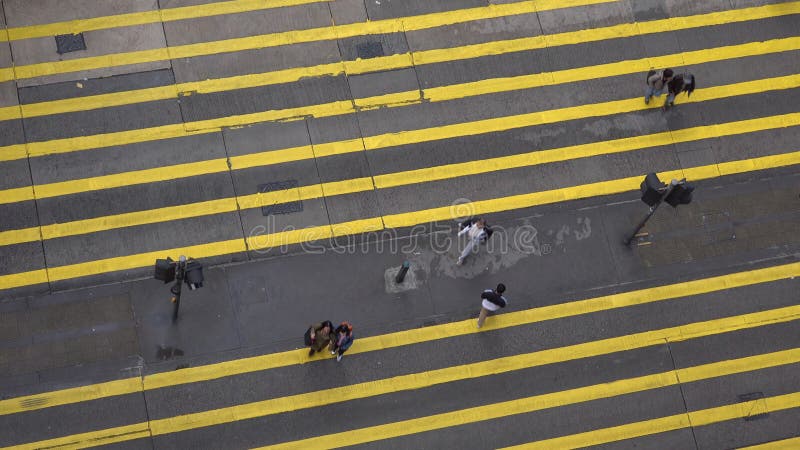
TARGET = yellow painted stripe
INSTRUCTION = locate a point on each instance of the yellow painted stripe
(485, 368)
(675, 422)
(783, 444)
(310, 192)
(419, 22)
(530, 404)
(145, 17)
(685, 289)
(396, 220)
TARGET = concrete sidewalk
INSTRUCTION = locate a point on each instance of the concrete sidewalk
(545, 255)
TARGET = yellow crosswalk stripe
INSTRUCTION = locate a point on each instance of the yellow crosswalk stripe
(486, 368)
(685, 289)
(552, 400)
(418, 58)
(782, 444)
(410, 23)
(390, 221)
(404, 178)
(675, 422)
(146, 17)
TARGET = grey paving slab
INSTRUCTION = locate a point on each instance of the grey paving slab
(140, 197)
(24, 257)
(98, 42)
(252, 23)
(266, 136)
(33, 12)
(206, 317)
(96, 86)
(475, 32)
(647, 10)
(741, 433)
(255, 61)
(737, 33)
(348, 11)
(18, 215)
(682, 438)
(677, 8)
(6, 60)
(16, 174)
(372, 46)
(125, 158)
(389, 9)
(11, 132)
(143, 239)
(583, 17)
(306, 92)
(752, 144)
(100, 121)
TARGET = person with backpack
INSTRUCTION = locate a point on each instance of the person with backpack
(492, 300)
(341, 340)
(679, 83)
(477, 232)
(656, 81)
(318, 336)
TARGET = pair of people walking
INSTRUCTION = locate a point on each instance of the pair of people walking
(657, 80)
(477, 231)
(323, 334)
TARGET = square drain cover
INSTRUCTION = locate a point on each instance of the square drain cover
(66, 43)
(369, 50)
(292, 201)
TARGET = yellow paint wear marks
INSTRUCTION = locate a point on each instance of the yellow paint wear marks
(258, 363)
(146, 17)
(419, 22)
(776, 445)
(17, 195)
(13, 152)
(519, 406)
(398, 220)
(670, 423)
(486, 368)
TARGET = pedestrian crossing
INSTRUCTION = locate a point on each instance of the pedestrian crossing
(407, 148)
(686, 293)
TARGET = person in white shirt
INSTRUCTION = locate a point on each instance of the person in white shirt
(476, 232)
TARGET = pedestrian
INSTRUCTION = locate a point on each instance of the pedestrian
(341, 340)
(318, 336)
(477, 232)
(492, 301)
(656, 81)
(679, 83)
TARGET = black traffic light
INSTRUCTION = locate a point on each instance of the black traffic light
(193, 274)
(165, 270)
(652, 188)
(681, 195)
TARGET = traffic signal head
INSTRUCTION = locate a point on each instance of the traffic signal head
(681, 195)
(165, 270)
(193, 275)
(651, 189)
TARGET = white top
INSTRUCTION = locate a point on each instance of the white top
(489, 305)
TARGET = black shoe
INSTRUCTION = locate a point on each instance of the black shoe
(311, 352)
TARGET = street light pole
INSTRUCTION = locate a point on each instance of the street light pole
(180, 269)
(653, 209)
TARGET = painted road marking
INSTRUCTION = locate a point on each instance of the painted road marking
(399, 220)
(776, 445)
(365, 184)
(146, 17)
(422, 380)
(670, 423)
(409, 337)
(412, 59)
(402, 24)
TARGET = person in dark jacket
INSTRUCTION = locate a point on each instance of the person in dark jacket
(657, 80)
(679, 83)
(492, 300)
(319, 336)
(341, 340)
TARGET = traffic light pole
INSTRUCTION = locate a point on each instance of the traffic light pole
(653, 209)
(176, 289)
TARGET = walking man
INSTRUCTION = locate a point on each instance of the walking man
(318, 336)
(492, 301)
(679, 83)
(656, 81)
(476, 233)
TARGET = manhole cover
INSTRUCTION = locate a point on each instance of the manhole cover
(369, 50)
(288, 205)
(66, 43)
